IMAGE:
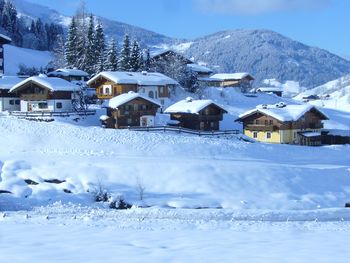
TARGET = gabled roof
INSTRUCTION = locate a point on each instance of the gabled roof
(169, 52)
(199, 68)
(137, 78)
(283, 112)
(191, 106)
(125, 98)
(269, 89)
(231, 76)
(5, 39)
(7, 82)
(53, 84)
(68, 72)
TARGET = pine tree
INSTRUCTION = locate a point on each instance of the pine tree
(59, 60)
(70, 46)
(112, 57)
(90, 47)
(41, 34)
(135, 57)
(146, 60)
(124, 60)
(100, 48)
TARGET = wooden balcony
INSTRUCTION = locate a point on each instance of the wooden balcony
(261, 127)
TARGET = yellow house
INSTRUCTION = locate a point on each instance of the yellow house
(281, 123)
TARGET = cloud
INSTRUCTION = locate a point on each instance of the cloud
(256, 7)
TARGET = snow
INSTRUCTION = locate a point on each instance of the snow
(138, 78)
(28, 57)
(182, 47)
(68, 72)
(290, 88)
(285, 113)
(7, 82)
(54, 84)
(199, 68)
(311, 134)
(190, 105)
(230, 76)
(125, 98)
(5, 38)
(268, 89)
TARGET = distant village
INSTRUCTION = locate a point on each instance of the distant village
(133, 99)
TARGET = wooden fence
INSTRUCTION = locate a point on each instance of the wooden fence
(183, 130)
(34, 114)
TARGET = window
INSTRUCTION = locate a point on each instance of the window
(136, 107)
(268, 135)
(271, 122)
(17, 102)
(107, 89)
(255, 134)
(129, 121)
(151, 94)
(42, 105)
(12, 102)
(266, 122)
(212, 125)
(59, 105)
(144, 107)
(256, 121)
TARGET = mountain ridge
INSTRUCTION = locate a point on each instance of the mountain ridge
(264, 53)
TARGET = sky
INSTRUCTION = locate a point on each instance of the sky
(321, 23)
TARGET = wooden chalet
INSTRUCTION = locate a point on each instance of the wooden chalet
(130, 109)
(150, 84)
(281, 123)
(71, 75)
(40, 93)
(270, 90)
(202, 115)
(9, 101)
(240, 80)
(169, 57)
(3, 40)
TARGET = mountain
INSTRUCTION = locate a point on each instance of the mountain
(263, 53)
(112, 28)
(267, 54)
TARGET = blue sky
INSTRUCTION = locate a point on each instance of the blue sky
(321, 23)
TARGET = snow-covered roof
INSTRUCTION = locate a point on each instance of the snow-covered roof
(68, 72)
(7, 82)
(137, 78)
(199, 68)
(190, 106)
(310, 134)
(269, 89)
(125, 98)
(5, 38)
(282, 112)
(53, 84)
(231, 76)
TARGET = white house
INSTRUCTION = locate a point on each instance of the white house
(41, 93)
(9, 101)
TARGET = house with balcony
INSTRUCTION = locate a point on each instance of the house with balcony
(43, 94)
(282, 123)
(204, 115)
(130, 109)
(154, 85)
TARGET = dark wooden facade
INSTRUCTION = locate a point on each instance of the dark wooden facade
(130, 113)
(32, 91)
(4, 93)
(3, 40)
(208, 119)
(106, 89)
(170, 56)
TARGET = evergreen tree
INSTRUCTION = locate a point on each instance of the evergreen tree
(112, 57)
(100, 48)
(135, 57)
(90, 47)
(70, 46)
(41, 34)
(124, 60)
(59, 60)
(146, 60)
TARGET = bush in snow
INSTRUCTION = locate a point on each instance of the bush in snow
(119, 203)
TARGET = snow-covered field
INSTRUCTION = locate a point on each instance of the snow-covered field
(206, 199)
